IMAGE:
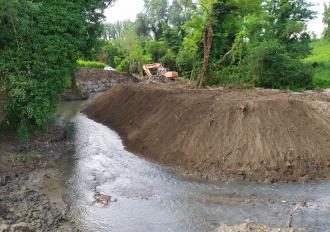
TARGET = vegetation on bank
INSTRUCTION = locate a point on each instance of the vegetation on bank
(217, 42)
(40, 42)
(91, 64)
(320, 61)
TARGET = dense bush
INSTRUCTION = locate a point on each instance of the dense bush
(40, 42)
(319, 60)
(269, 65)
(91, 64)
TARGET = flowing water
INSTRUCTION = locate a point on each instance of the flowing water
(152, 198)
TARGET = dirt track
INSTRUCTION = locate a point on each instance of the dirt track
(223, 134)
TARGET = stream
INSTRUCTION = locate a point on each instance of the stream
(152, 198)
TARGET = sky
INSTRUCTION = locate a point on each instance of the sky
(128, 9)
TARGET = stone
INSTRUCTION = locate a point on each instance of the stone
(4, 228)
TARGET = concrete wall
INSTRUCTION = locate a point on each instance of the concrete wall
(96, 80)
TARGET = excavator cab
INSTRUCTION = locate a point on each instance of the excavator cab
(160, 71)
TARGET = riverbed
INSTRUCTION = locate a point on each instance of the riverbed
(149, 197)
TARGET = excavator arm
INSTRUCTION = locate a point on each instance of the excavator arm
(148, 67)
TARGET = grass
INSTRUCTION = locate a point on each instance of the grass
(22, 158)
(320, 60)
(91, 64)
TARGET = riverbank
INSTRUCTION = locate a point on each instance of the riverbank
(223, 134)
(253, 227)
(25, 171)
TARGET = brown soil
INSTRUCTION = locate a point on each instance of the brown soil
(223, 134)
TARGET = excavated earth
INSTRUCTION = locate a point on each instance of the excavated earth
(223, 134)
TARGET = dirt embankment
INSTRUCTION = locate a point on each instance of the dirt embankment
(254, 135)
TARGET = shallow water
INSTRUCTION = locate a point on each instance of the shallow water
(152, 198)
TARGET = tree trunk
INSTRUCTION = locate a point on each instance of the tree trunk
(207, 41)
(74, 88)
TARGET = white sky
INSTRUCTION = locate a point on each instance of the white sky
(128, 9)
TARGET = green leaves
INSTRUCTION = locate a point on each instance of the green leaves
(40, 43)
(326, 21)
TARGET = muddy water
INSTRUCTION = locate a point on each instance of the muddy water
(151, 198)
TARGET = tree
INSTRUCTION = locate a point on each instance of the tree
(40, 42)
(270, 66)
(141, 25)
(207, 6)
(326, 21)
(287, 23)
(156, 12)
(175, 16)
(115, 30)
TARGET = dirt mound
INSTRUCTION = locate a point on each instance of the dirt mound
(255, 135)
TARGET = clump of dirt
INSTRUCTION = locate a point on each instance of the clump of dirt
(253, 227)
(223, 134)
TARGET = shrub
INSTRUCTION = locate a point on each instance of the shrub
(185, 62)
(268, 65)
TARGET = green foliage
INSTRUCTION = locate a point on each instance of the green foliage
(319, 60)
(156, 12)
(91, 64)
(116, 30)
(326, 21)
(185, 62)
(157, 49)
(40, 42)
(270, 66)
(259, 42)
(155, 36)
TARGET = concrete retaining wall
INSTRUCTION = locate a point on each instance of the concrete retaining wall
(96, 80)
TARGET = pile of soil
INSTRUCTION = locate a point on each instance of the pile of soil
(223, 134)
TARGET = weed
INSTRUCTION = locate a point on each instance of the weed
(23, 158)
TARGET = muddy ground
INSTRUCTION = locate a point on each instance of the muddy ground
(223, 134)
(253, 227)
(25, 170)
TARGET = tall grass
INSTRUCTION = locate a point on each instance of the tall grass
(320, 60)
(91, 64)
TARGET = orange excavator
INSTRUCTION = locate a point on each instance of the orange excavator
(161, 71)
